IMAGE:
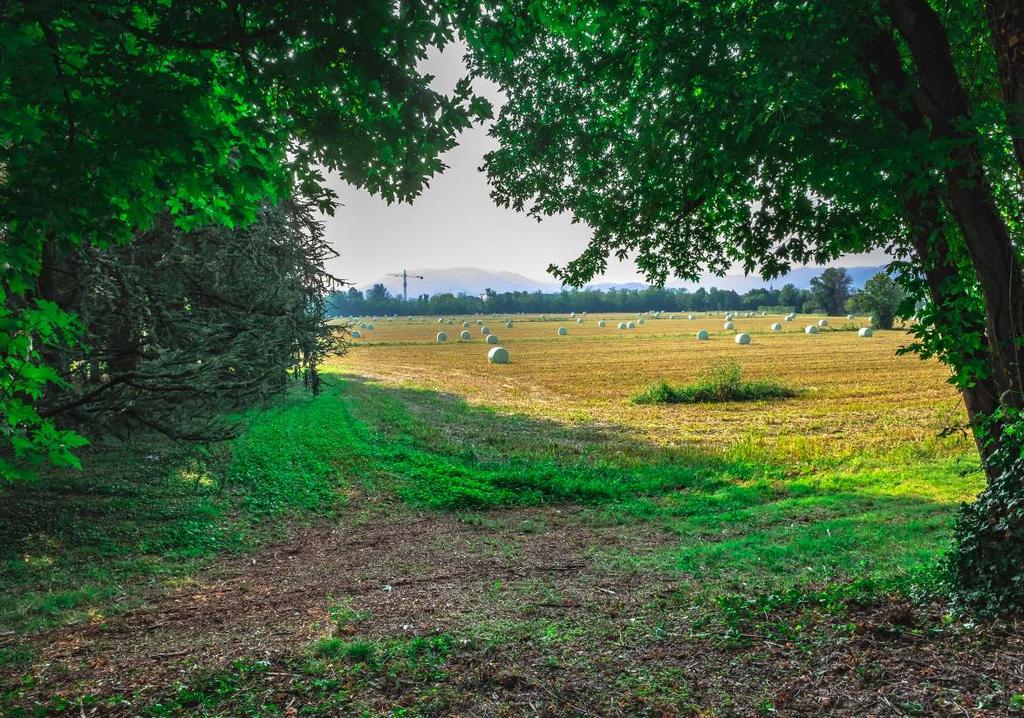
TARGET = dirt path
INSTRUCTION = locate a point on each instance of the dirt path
(408, 575)
(637, 651)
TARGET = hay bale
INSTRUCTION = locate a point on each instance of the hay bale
(600, 322)
(492, 338)
(562, 331)
(640, 322)
(485, 330)
(465, 336)
(369, 326)
(865, 332)
(508, 325)
(728, 325)
(498, 355)
(479, 322)
(622, 325)
(465, 325)
(441, 337)
(850, 317)
(702, 335)
(811, 329)
(689, 317)
(579, 320)
(823, 323)
(440, 320)
(743, 338)
(630, 325)
(356, 334)
(776, 327)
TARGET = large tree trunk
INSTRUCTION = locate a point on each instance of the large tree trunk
(928, 237)
(940, 97)
(1006, 18)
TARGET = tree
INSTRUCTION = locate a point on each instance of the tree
(113, 115)
(881, 298)
(699, 134)
(831, 290)
(181, 328)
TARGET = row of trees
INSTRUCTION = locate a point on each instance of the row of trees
(830, 293)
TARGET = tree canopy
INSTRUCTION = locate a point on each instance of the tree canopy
(115, 114)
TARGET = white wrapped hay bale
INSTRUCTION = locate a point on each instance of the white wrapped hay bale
(640, 322)
(702, 335)
(600, 323)
(743, 338)
(728, 325)
(465, 336)
(442, 337)
(579, 320)
(850, 317)
(823, 323)
(776, 327)
(689, 317)
(369, 326)
(440, 320)
(498, 355)
(630, 325)
(485, 330)
(562, 331)
(622, 325)
(492, 338)
(356, 334)
(479, 322)
(865, 332)
(465, 325)
(811, 329)
(508, 325)
(790, 317)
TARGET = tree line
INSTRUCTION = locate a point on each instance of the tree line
(830, 293)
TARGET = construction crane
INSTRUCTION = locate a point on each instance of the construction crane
(405, 282)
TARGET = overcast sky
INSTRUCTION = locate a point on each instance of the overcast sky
(454, 223)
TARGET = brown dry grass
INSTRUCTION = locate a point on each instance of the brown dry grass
(859, 396)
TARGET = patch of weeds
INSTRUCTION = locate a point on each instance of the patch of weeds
(16, 656)
(354, 651)
(345, 617)
(721, 384)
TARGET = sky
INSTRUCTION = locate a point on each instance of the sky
(454, 223)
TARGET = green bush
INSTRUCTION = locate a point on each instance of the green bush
(987, 561)
(721, 384)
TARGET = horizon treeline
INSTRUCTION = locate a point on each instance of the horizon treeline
(378, 300)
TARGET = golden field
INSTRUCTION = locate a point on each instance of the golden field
(858, 397)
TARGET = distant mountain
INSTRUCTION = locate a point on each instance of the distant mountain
(462, 280)
(472, 280)
(800, 277)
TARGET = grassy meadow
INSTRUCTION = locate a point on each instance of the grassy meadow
(436, 535)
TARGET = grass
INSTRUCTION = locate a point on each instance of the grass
(844, 491)
(72, 545)
(720, 384)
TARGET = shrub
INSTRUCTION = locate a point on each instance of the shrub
(988, 554)
(721, 384)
